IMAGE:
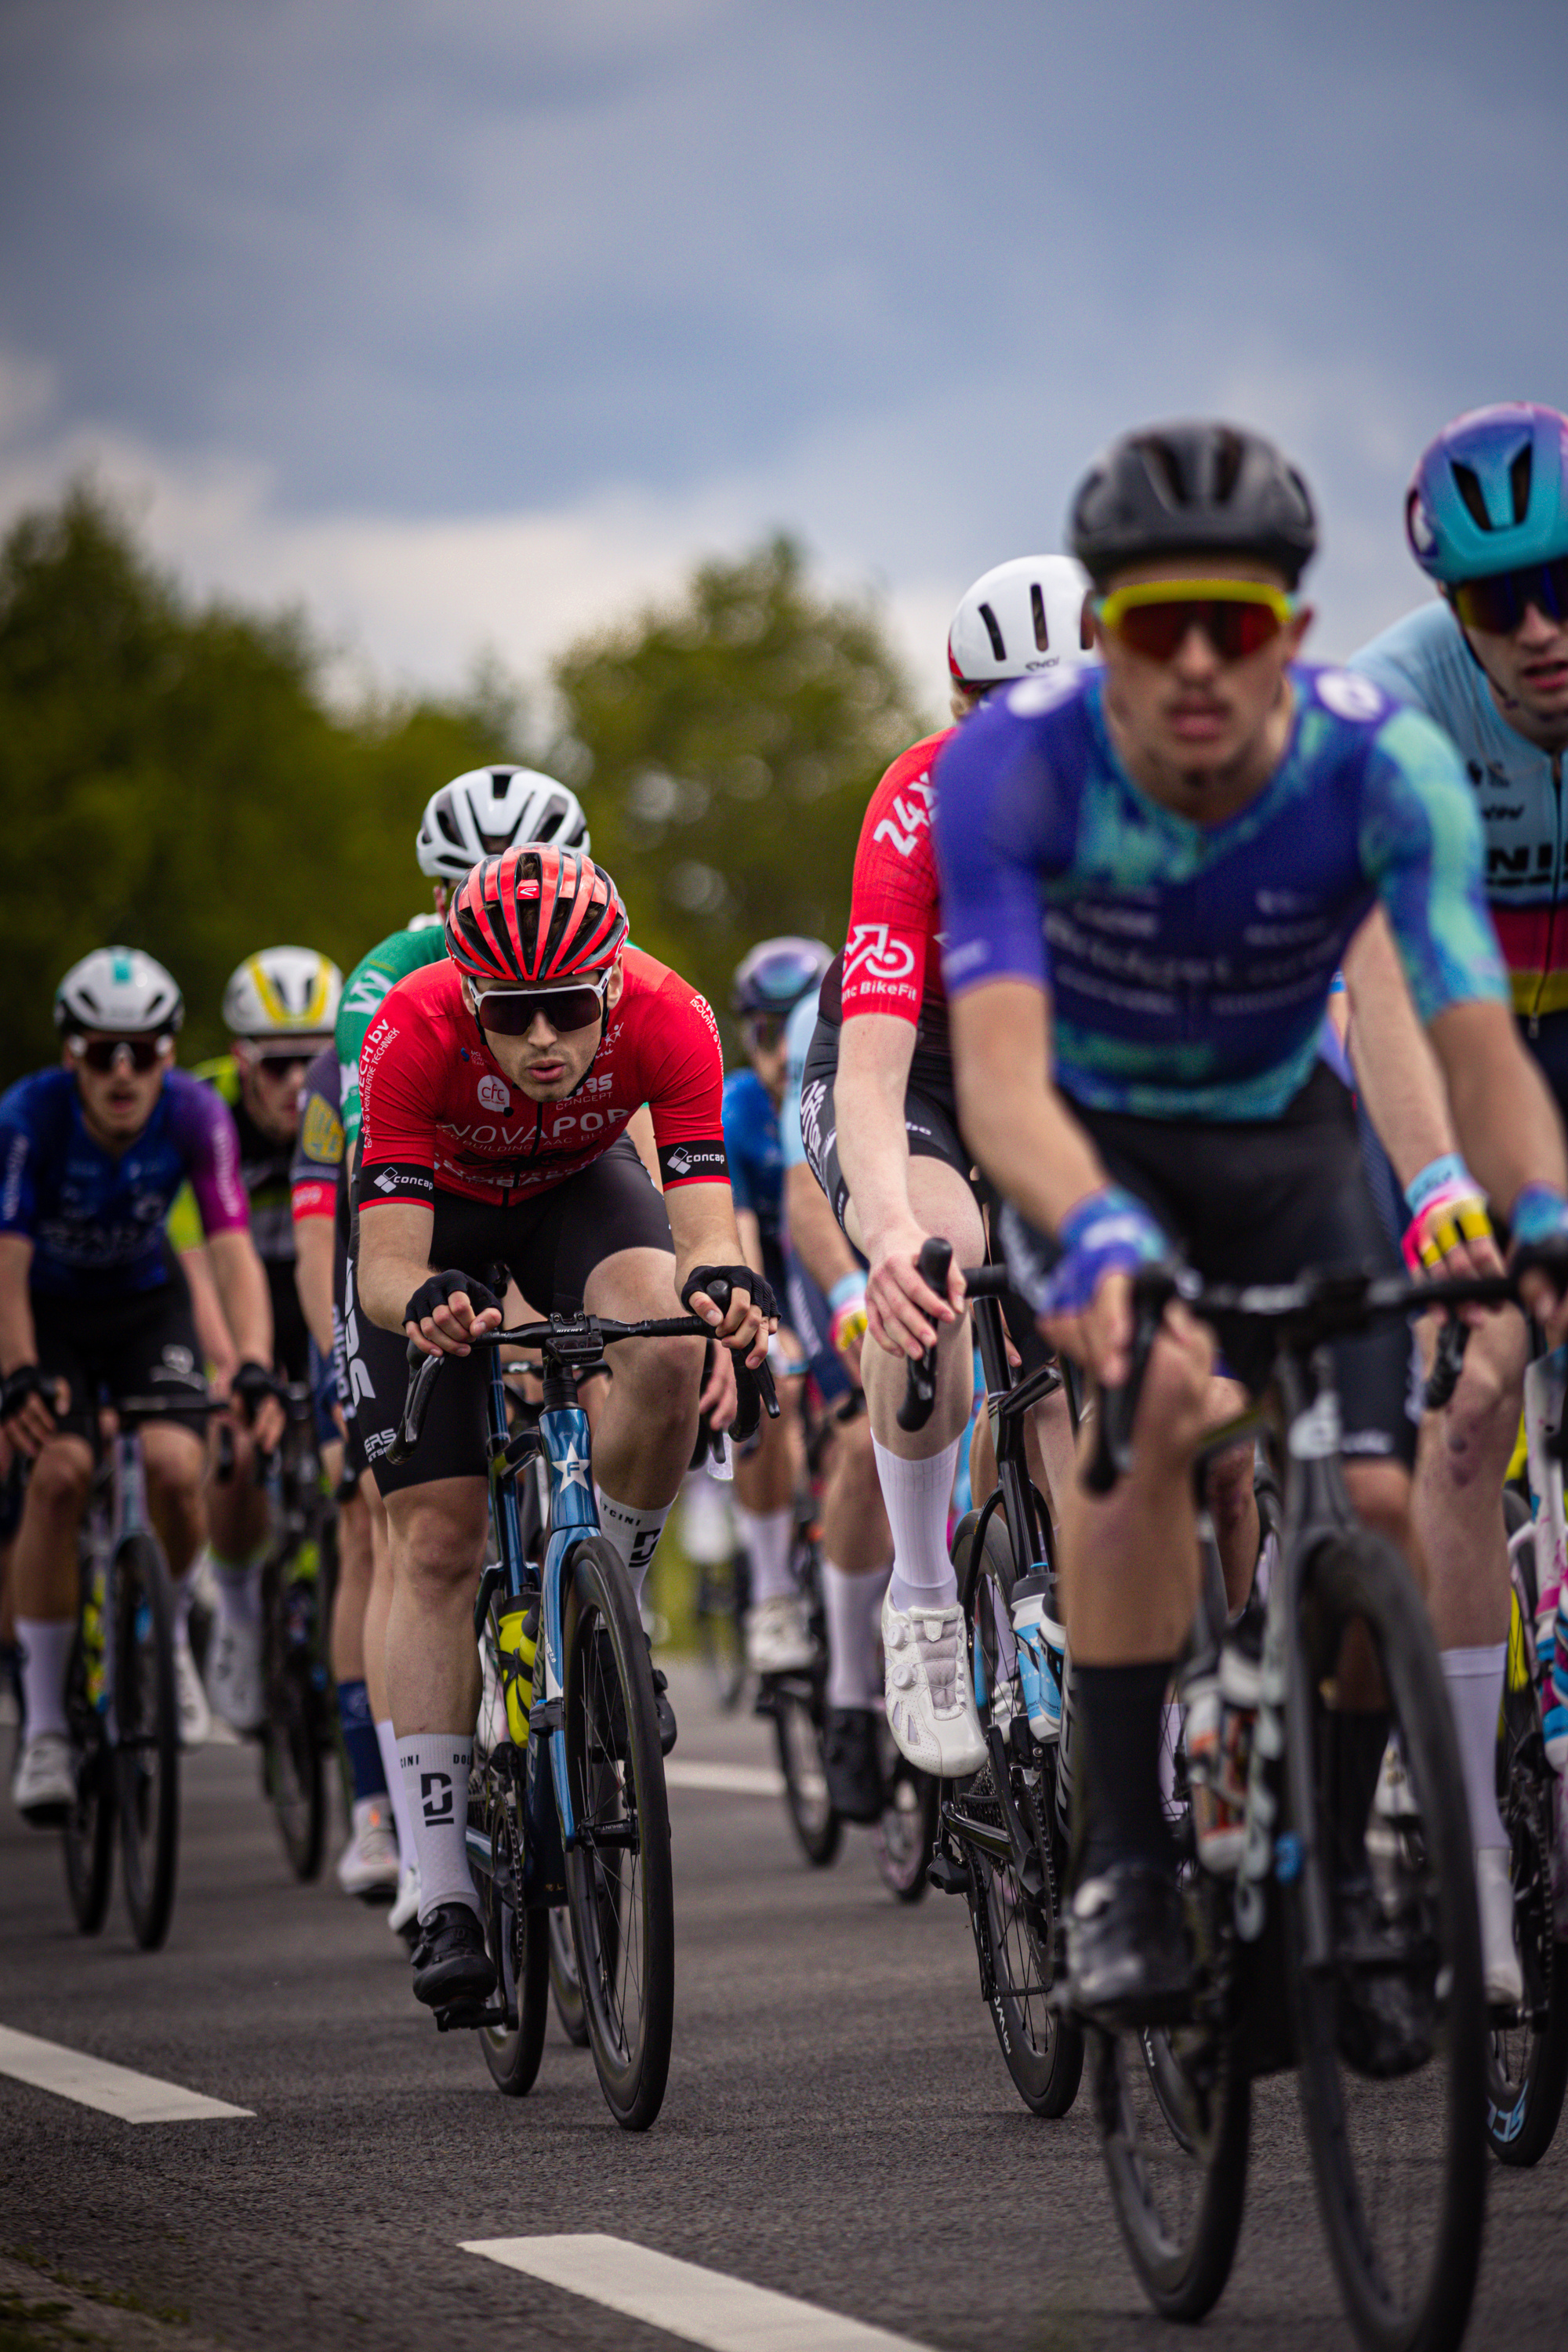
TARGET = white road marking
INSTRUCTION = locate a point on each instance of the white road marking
(701, 2307)
(727, 1779)
(115, 2090)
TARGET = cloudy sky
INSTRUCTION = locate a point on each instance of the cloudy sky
(471, 321)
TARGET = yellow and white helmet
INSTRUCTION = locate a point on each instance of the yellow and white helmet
(283, 993)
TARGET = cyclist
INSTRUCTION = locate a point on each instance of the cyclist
(278, 1008)
(882, 1133)
(1487, 519)
(93, 1296)
(496, 1088)
(476, 815)
(769, 983)
(1149, 875)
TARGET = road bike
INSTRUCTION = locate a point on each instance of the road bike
(571, 1806)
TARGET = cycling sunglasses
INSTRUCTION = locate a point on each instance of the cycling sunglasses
(101, 1054)
(1239, 617)
(1496, 604)
(509, 1011)
(278, 1065)
(763, 1033)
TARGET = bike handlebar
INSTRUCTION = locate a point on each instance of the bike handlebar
(933, 1266)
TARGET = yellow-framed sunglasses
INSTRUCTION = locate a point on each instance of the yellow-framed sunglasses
(1239, 617)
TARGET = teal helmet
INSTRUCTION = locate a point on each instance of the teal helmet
(1490, 494)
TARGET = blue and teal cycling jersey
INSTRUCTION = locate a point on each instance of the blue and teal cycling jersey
(1189, 965)
(95, 1217)
(751, 1148)
(799, 1031)
(1517, 789)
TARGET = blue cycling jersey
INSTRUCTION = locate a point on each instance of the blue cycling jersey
(1189, 965)
(1518, 789)
(751, 1148)
(95, 1217)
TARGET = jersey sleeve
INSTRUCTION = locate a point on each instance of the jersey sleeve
(210, 1142)
(736, 1122)
(1421, 845)
(398, 1096)
(19, 1165)
(996, 817)
(685, 1088)
(319, 1147)
(892, 904)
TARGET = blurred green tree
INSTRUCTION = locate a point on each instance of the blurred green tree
(726, 746)
(173, 776)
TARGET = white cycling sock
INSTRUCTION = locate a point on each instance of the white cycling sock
(1475, 1693)
(634, 1533)
(386, 1740)
(239, 1586)
(853, 1607)
(184, 1593)
(434, 1768)
(917, 1495)
(46, 1646)
(767, 1536)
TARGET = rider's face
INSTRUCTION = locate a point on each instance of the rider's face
(547, 1063)
(1196, 713)
(117, 1103)
(1528, 669)
(271, 1078)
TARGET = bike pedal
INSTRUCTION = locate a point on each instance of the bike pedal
(947, 1875)
(465, 2016)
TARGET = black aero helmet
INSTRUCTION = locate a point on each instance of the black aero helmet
(1192, 489)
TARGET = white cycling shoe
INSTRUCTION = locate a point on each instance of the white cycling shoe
(778, 1637)
(403, 1916)
(930, 1697)
(195, 1716)
(368, 1864)
(1500, 1973)
(43, 1786)
(234, 1673)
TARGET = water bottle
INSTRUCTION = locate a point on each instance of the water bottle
(519, 1642)
(1041, 1641)
(1221, 1700)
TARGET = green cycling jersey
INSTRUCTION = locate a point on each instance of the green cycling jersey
(395, 958)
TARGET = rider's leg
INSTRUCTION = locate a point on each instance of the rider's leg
(238, 1536)
(438, 1532)
(766, 1479)
(44, 1578)
(857, 1547)
(648, 1425)
(377, 1609)
(174, 1458)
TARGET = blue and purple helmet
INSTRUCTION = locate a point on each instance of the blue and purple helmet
(1490, 494)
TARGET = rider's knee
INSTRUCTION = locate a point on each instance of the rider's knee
(59, 1479)
(667, 1378)
(174, 1462)
(1173, 1409)
(433, 1545)
(1381, 1493)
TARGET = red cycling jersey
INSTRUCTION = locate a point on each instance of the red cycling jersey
(891, 960)
(440, 1116)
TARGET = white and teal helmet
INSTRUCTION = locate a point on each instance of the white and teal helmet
(121, 992)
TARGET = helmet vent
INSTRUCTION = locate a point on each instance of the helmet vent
(1467, 483)
(1228, 459)
(993, 631)
(1037, 606)
(1519, 481)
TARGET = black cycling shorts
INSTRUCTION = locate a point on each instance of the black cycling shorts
(550, 1245)
(1261, 1200)
(142, 1344)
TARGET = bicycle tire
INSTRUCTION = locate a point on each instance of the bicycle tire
(1183, 2097)
(565, 1985)
(797, 1733)
(905, 1836)
(1367, 2117)
(1526, 2068)
(721, 1621)
(517, 1940)
(88, 1834)
(295, 1733)
(619, 1881)
(146, 1736)
(1014, 1931)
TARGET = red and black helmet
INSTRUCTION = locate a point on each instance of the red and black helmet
(535, 914)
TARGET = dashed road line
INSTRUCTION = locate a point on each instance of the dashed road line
(113, 2090)
(703, 2306)
(726, 1780)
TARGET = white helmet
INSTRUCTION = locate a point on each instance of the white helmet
(1024, 616)
(120, 989)
(283, 993)
(482, 813)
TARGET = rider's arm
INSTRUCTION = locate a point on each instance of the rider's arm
(217, 1341)
(1397, 1072)
(703, 1227)
(240, 1281)
(751, 1235)
(394, 1239)
(1015, 1122)
(1507, 1121)
(18, 1340)
(639, 1127)
(875, 1051)
(814, 1230)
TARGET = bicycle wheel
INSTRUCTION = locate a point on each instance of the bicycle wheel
(295, 1730)
(147, 1736)
(516, 1939)
(1527, 2069)
(905, 1837)
(619, 1884)
(1015, 1924)
(1174, 2108)
(565, 1985)
(797, 1728)
(89, 1832)
(1391, 2032)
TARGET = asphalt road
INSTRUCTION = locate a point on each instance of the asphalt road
(839, 2124)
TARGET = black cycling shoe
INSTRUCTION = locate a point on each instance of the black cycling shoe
(667, 1732)
(1130, 1956)
(853, 1767)
(450, 1962)
(1388, 1986)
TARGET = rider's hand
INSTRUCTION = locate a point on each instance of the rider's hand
(902, 1312)
(1082, 1302)
(848, 1321)
(752, 1317)
(447, 1310)
(1450, 1234)
(719, 1398)
(29, 1401)
(1539, 1257)
(255, 1394)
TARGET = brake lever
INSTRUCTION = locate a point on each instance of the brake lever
(1152, 1291)
(934, 1265)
